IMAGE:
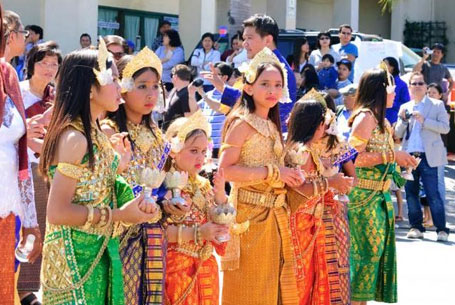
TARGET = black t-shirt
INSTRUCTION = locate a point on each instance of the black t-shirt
(178, 105)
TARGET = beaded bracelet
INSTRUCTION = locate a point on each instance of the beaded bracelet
(196, 228)
(199, 240)
(90, 215)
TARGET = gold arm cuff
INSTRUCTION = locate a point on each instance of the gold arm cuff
(71, 170)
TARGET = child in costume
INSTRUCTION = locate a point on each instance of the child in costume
(191, 267)
(142, 246)
(88, 205)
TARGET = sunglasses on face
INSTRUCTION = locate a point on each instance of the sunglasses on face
(417, 84)
(324, 38)
(346, 33)
(117, 55)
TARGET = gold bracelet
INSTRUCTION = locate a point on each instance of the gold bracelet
(269, 172)
(106, 217)
(179, 234)
(103, 217)
(392, 155)
(315, 188)
(384, 157)
(321, 185)
(199, 240)
(326, 184)
(90, 215)
(195, 233)
(276, 174)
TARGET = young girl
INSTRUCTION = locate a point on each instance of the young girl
(320, 274)
(86, 205)
(258, 266)
(192, 271)
(141, 76)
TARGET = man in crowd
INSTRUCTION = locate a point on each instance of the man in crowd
(434, 71)
(35, 36)
(344, 111)
(346, 48)
(158, 42)
(85, 41)
(420, 124)
(180, 102)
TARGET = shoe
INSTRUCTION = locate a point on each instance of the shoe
(415, 233)
(443, 236)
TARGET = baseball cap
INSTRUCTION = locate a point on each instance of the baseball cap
(349, 90)
(345, 62)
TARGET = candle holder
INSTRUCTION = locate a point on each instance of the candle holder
(175, 182)
(223, 214)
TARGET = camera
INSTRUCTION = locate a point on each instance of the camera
(198, 83)
(407, 114)
(427, 50)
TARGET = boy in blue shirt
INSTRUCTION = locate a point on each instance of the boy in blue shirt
(328, 75)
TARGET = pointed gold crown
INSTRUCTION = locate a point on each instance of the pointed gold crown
(181, 127)
(103, 75)
(146, 58)
(313, 94)
(249, 70)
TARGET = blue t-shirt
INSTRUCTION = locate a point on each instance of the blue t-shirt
(349, 48)
(328, 78)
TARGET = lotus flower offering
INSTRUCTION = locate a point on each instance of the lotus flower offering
(223, 214)
(176, 181)
(407, 173)
(150, 179)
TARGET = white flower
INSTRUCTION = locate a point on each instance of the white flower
(127, 84)
(105, 77)
(176, 145)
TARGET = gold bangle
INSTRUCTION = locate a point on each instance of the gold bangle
(326, 184)
(90, 215)
(195, 227)
(276, 177)
(384, 157)
(269, 172)
(179, 234)
(199, 240)
(315, 188)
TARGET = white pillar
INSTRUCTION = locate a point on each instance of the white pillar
(195, 18)
(283, 13)
(65, 20)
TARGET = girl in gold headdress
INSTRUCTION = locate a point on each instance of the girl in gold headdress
(87, 201)
(322, 269)
(191, 267)
(142, 247)
(258, 265)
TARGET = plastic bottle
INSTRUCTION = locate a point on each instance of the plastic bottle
(23, 252)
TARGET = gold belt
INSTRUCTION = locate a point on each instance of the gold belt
(381, 186)
(267, 200)
(202, 252)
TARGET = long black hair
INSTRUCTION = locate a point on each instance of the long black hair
(72, 101)
(246, 103)
(306, 117)
(298, 53)
(394, 64)
(372, 94)
(119, 116)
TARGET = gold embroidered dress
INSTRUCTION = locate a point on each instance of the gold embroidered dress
(82, 265)
(143, 246)
(258, 265)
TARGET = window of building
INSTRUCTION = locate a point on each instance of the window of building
(138, 26)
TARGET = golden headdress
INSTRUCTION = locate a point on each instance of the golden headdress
(145, 58)
(313, 94)
(103, 75)
(181, 127)
(390, 86)
(249, 70)
(329, 116)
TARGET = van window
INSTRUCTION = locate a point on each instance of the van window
(408, 58)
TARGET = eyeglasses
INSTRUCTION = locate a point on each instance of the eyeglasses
(47, 65)
(418, 84)
(324, 38)
(346, 33)
(26, 33)
(117, 55)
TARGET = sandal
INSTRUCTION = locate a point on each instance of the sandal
(398, 218)
(30, 299)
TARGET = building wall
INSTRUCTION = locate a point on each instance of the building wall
(372, 20)
(30, 11)
(314, 14)
(158, 6)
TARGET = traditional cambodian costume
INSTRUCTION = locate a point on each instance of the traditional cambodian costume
(259, 264)
(82, 265)
(143, 246)
(372, 224)
(191, 267)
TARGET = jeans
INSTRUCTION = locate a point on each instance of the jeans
(429, 176)
(441, 183)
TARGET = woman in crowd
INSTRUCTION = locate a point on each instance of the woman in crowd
(88, 205)
(15, 36)
(17, 209)
(259, 255)
(323, 47)
(202, 57)
(239, 55)
(116, 45)
(140, 75)
(171, 54)
(370, 211)
(38, 95)
(191, 267)
(317, 221)
(301, 56)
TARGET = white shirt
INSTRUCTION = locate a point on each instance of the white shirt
(415, 143)
(316, 57)
(239, 58)
(202, 60)
(29, 100)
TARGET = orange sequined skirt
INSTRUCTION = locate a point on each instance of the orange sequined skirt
(7, 246)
